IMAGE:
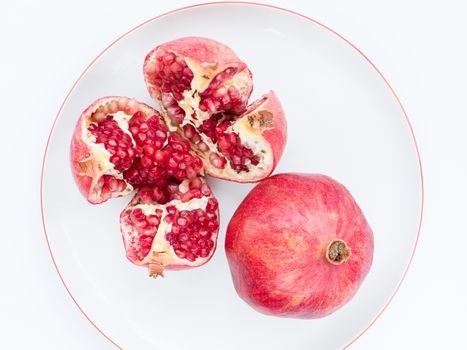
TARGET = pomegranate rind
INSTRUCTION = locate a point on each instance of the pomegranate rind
(276, 136)
(162, 254)
(277, 241)
(205, 58)
(87, 165)
(203, 50)
(272, 136)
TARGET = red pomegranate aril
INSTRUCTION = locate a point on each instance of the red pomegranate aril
(217, 98)
(196, 183)
(189, 131)
(153, 220)
(217, 161)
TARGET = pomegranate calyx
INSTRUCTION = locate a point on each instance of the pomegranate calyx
(338, 252)
(156, 266)
(156, 270)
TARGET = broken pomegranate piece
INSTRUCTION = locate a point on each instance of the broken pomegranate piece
(196, 76)
(243, 148)
(171, 228)
(120, 143)
(203, 90)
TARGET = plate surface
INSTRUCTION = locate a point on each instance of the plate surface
(344, 121)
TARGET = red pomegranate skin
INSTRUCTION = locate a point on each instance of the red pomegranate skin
(203, 50)
(277, 245)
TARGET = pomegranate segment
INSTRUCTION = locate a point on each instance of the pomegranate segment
(203, 89)
(298, 246)
(194, 77)
(243, 148)
(120, 143)
(171, 228)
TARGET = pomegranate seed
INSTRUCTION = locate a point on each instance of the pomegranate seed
(169, 58)
(195, 183)
(176, 68)
(153, 220)
(205, 190)
(204, 252)
(190, 256)
(189, 131)
(217, 161)
(203, 146)
(190, 173)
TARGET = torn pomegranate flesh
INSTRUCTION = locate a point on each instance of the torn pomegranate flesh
(156, 155)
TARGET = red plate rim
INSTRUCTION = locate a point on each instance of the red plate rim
(238, 3)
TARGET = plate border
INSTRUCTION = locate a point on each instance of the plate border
(248, 3)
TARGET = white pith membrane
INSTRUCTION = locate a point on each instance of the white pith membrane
(161, 253)
(249, 126)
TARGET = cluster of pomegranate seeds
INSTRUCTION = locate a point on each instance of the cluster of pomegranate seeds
(173, 77)
(191, 232)
(197, 188)
(162, 155)
(149, 134)
(228, 143)
(116, 141)
(147, 228)
(208, 127)
(219, 96)
(107, 184)
(155, 158)
(180, 162)
(173, 74)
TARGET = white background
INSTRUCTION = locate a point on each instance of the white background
(419, 46)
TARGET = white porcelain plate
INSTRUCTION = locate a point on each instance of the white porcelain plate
(344, 121)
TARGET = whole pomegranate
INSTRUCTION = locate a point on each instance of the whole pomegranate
(298, 246)
(203, 90)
